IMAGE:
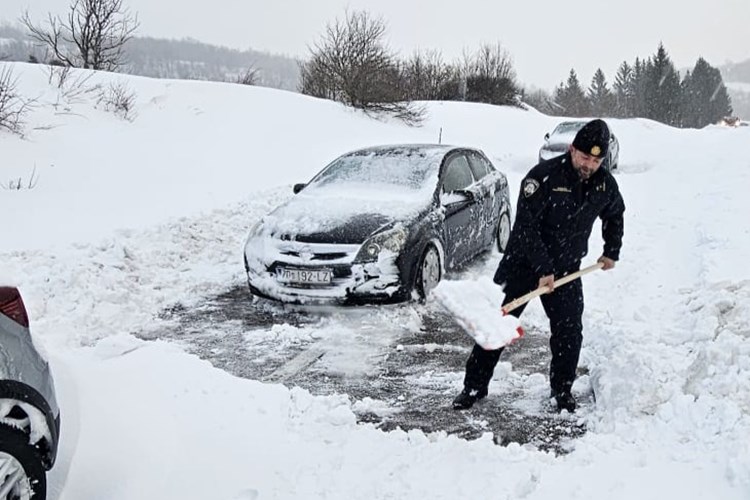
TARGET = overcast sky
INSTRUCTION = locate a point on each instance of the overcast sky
(545, 38)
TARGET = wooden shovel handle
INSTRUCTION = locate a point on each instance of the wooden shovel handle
(542, 290)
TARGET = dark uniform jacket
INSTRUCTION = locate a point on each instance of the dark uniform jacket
(555, 215)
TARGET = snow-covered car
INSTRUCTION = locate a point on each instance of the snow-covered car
(380, 224)
(557, 142)
(29, 415)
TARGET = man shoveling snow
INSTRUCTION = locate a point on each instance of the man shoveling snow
(559, 202)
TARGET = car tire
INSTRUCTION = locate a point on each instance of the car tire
(429, 272)
(503, 231)
(611, 165)
(21, 465)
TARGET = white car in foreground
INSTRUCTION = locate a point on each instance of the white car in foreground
(29, 415)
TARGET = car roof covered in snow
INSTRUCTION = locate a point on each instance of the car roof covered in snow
(398, 149)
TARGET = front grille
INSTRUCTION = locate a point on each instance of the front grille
(317, 256)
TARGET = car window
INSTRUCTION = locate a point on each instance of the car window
(457, 174)
(568, 128)
(479, 165)
(403, 167)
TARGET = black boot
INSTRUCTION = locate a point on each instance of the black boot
(468, 397)
(565, 401)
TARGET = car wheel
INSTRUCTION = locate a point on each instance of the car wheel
(429, 272)
(21, 471)
(503, 232)
(611, 165)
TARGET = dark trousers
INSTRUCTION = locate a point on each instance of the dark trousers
(564, 308)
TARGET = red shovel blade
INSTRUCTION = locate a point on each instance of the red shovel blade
(520, 330)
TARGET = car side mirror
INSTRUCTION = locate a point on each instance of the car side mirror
(546, 136)
(462, 196)
(298, 187)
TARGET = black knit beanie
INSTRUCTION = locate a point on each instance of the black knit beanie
(593, 139)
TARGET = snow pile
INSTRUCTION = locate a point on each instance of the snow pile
(476, 307)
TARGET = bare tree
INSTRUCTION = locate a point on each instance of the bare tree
(248, 77)
(92, 35)
(19, 183)
(351, 64)
(13, 107)
(73, 86)
(490, 76)
(428, 78)
(119, 99)
(541, 100)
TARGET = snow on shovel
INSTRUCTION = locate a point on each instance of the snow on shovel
(474, 306)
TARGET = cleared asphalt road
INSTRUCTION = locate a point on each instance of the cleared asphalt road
(407, 359)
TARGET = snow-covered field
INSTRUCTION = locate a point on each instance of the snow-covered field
(127, 217)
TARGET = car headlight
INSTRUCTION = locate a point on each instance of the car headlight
(253, 244)
(392, 240)
(255, 229)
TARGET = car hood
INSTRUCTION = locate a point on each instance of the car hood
(559, 141)
(320, 217)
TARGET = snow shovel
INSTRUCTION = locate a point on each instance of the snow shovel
(474, 306)
(513, 326)
(515, 304)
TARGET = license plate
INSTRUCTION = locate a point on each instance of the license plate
(304, 276)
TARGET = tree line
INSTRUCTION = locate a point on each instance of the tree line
(352, 63)
(650, 88)
(184, 59)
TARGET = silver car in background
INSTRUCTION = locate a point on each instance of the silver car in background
(29, 415)
(558, 141)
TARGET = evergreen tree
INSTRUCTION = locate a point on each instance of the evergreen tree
(688, 102)
(601, 99)
(571, 98)
(623, 92)
(638, 88)
(705, 98)
(663, 92)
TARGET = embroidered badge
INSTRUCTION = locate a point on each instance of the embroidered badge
(529, 187)
(596, 151)
(562, 190)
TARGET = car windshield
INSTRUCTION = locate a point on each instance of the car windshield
(405, 168)
(568, 128)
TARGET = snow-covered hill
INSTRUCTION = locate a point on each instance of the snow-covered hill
(130, 216)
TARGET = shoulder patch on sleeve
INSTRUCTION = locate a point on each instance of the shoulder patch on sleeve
(529, 187)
